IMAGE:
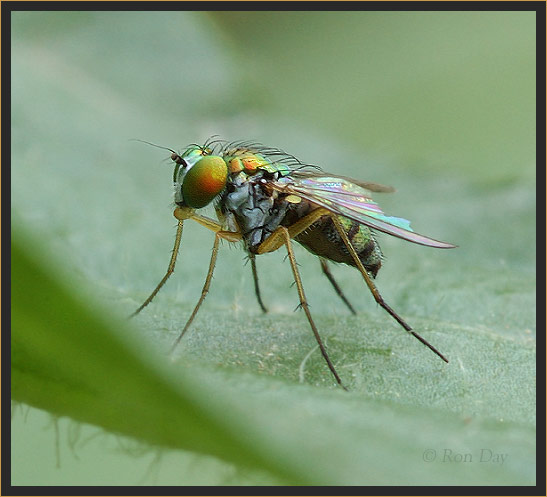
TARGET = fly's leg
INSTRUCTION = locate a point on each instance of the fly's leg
(283, 234)
(372, 287)
(227, 235)
(257, 288)
(294, 230)
(328, 274)
(170, 269)
(181, 213)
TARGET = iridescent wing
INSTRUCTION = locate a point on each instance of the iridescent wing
(350, 199)
(367, 185)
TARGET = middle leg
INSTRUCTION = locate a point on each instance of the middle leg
(282, 233)
(252, 257)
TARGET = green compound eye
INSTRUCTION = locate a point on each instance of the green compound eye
(204, 181)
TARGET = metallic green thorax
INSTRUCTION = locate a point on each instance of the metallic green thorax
(243, 160)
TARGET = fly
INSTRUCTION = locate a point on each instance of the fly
(265, 198)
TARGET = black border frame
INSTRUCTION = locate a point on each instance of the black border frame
(8, 7)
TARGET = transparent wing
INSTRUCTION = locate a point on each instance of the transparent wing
(350, 199)
(320, 175)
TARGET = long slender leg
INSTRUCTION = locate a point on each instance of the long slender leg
(379, 299)
(273, 243)
(228, 235)
(183, 213)
(283, 232)
(170, 268)
(255, 279)
(328, 274)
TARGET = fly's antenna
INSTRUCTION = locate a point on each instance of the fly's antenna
(175, 157)
(153, 144)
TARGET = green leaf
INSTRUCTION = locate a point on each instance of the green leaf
(69, 361)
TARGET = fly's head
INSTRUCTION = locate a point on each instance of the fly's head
(198, 178)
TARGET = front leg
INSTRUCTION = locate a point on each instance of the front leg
(181, 214)
(170, 268)
(226, 235)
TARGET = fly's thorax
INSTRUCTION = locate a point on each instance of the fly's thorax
(245, 161)
(249, 203)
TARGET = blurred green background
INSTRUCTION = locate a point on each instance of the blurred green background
(439, 105)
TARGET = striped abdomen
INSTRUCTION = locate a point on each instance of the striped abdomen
(322, 238)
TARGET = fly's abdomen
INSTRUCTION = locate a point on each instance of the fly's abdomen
(323, 239)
